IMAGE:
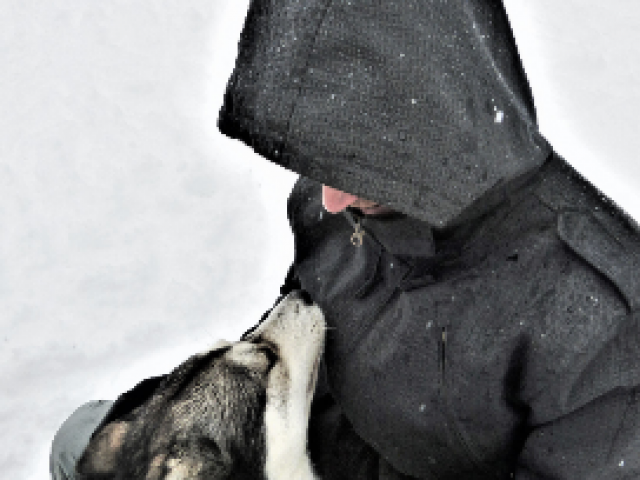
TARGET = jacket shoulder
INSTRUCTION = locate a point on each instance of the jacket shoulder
(594, 227)
(562, 188)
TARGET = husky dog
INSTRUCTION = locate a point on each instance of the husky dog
(239, 411)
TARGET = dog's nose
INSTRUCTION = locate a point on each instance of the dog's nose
(302, 295)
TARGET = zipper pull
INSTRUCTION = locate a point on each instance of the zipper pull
(358, 236)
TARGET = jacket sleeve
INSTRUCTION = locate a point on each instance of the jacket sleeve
(598, 441)
(586, 421)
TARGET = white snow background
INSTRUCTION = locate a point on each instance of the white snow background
(133, 234)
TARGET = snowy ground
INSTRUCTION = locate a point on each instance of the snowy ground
(133, 234)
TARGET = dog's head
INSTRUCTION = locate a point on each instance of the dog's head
(237, 411)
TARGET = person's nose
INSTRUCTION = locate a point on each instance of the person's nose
(334, 201)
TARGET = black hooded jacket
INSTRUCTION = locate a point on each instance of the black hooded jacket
(490, 328)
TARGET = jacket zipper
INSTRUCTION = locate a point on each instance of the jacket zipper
(447, 407)
(442, 360)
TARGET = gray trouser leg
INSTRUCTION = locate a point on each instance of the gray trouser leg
(73, 437)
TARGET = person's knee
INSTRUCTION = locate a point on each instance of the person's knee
(73, 437)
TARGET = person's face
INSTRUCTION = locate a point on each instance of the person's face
(335, 201)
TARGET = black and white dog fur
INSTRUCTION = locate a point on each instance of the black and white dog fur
(239, 411)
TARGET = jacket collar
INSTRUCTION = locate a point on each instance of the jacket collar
(398, 233)
(405, 236)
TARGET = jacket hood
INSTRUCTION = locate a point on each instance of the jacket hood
(421, 105)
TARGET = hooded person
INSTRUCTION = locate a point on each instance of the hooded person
(489, 327)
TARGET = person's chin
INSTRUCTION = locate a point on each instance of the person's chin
(376, 210)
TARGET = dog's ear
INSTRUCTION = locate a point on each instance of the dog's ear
(100, 458)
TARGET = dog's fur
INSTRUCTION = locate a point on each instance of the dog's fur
(239, 411)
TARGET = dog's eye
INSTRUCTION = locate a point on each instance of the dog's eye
(270, 350)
